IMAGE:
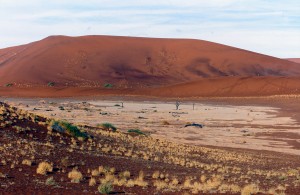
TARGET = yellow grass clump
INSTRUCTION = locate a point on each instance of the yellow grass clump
(44, 168)
(250, 189)
(92, 182)
(95, 173)
(75, 176)
(27, 162)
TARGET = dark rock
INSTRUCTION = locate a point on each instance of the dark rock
(194, 125)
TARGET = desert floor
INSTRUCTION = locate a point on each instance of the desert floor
(269, 124)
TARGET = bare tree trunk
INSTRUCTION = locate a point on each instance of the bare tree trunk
(177, 104)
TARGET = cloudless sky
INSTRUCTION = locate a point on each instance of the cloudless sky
(270, 27)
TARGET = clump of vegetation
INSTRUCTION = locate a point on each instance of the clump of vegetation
(108, 126)
(137, 131)
(75, 176)
(92, 182)
(125, 174)
(8, 85)
(108, 85)
(250, 189)
(105, 188)
(50, 181)
(51, 84)
(44, 168)
(27, 162)
(68, 128)
(61, 108)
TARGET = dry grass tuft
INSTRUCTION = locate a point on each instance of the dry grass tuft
(250, 189)
(75, 176)
(44, 168)
(92, 182)
(27, 162)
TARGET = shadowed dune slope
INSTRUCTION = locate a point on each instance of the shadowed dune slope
(137, 63)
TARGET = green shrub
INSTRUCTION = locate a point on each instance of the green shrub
(68, 128)
(108, 126)
(50, 181)
(105, 188)
(51, 84)
(137, 131)
(8, 85)
(108, 85)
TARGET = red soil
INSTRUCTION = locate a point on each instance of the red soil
(143, 66)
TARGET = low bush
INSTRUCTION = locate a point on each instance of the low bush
(75, 176)
(108, 85)
(8, 85)
(51, 84)
(44, 168)
(137, 131)
(108, 126)
(105, 188)
(50, 181)
(68, 128)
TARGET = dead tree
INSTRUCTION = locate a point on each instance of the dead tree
(177, 104)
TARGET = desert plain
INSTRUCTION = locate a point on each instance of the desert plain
(244, 124)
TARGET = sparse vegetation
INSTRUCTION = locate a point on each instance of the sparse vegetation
(137, 131)
(27, 162)
(51, 84)
(105, 188)
(8, 85)
(108, 85)
(250, 189)
(50, 181)
(92, 182)
(44, 168)
(205, 170)
(108, 127)
(68, 128)
(75, 176)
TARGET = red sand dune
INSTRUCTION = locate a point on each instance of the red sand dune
(145, 66)
(297, 60)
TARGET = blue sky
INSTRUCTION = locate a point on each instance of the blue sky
(271, 27)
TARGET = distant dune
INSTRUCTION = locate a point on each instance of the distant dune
(146, 66)
(297, 60)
